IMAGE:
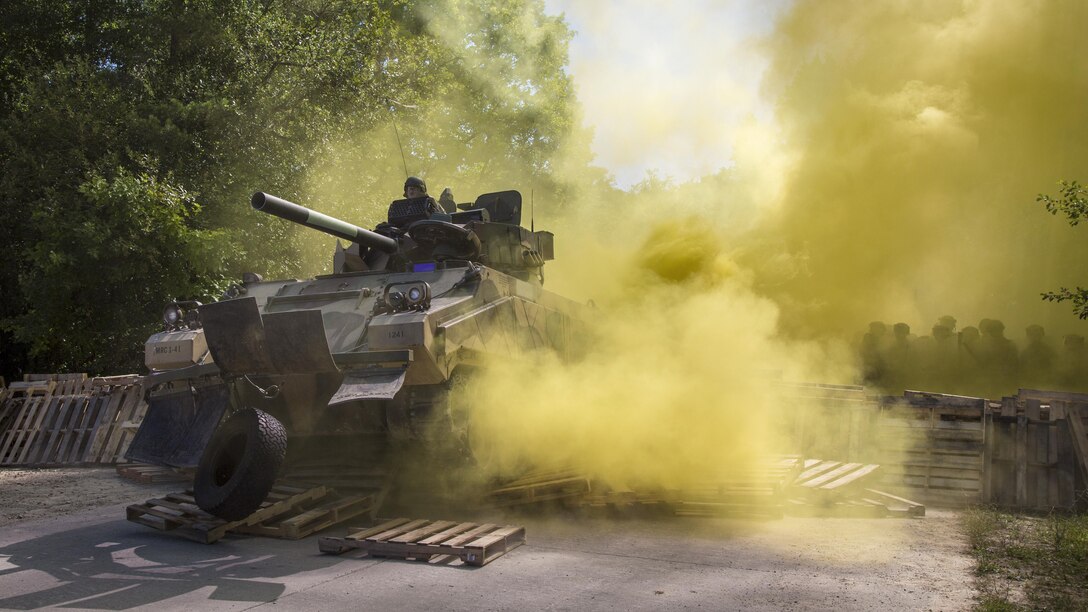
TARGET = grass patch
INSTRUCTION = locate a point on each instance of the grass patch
(1027, 562)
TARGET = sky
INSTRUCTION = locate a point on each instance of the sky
(687, 75)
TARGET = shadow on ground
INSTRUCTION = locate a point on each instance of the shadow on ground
(113, 566)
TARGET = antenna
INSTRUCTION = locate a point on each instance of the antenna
(401, 147)
(532, 210)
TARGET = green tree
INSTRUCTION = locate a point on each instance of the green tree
(132, 133)
(1072, 201)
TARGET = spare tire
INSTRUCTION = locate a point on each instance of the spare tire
(240, 464)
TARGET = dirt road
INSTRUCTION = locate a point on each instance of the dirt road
(66, 543)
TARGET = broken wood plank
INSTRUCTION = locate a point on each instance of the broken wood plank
(894, 503)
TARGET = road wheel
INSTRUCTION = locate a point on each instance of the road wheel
(240, 464)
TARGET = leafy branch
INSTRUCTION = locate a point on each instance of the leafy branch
(1072, 201)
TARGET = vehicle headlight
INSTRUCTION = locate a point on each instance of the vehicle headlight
(181, 315)
(172, 315)
(408, 296)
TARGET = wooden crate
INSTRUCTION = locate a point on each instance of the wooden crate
(427, 540)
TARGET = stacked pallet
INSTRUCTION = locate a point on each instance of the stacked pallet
(70, 421)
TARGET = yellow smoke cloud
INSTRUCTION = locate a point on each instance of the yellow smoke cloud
(675, 385)
(917, 136)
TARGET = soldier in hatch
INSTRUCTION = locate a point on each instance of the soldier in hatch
(414, 188)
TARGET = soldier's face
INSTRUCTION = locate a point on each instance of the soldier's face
(412, 191)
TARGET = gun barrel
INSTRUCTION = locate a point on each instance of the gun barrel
(323, 223)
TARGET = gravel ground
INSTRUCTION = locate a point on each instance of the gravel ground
(791, 563)
(33, 494)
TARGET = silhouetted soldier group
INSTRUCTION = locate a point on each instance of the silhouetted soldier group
(978, 361)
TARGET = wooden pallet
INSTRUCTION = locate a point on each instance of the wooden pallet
(540, 487)
(623, 498)
(893, 504)
(151, 474)
(118, 424)
(426, 540)
(309, 518)
(750, 507)
(31, 388)
(178, 513)
(832, 478)
(290, 512)
(50, 384)
(837, 489)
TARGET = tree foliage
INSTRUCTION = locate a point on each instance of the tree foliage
(133, 131)
(1072, 201)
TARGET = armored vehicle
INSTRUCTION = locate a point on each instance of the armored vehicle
(357, 363)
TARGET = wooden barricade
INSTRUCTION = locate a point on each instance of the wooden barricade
(91, 423)
(932, 447)
(1037, 451)
(1028, 452)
